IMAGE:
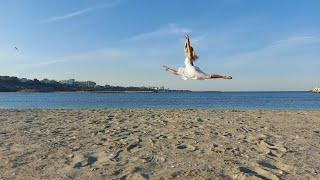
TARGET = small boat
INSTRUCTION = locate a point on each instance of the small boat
(316, 90)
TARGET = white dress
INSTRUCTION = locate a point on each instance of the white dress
(192, 72)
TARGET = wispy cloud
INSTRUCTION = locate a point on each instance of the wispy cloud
(297, 41)
(124, 51)
(275, 50)
(100, 54)
(40, 64)
(79, 12)
(67, 16)
(166, 30)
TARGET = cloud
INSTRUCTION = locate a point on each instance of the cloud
(124, 51)
(67, 16)
(100, 54)
(166, 30)
(297, 41)
(275, 50)
(40, 64)
(79, 12)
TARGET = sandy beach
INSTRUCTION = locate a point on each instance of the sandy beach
(159, 144)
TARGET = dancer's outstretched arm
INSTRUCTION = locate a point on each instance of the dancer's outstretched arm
(173, 71)
(186, 45)
(187, 48)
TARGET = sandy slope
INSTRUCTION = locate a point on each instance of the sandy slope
(159, 144)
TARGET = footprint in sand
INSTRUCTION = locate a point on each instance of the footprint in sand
(135, 144)
(255, 171)
(264, 169)
(137, 174)
(272, 168)
(155, 158)
(274, 150)
(116, 156)
(188, 147)
(276, 167)
(217, 148)
(81, 161)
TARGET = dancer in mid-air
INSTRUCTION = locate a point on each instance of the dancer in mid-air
(191, 71)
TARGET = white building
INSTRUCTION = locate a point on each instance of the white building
(88, 84)
(69, 82)
(316, 90)
(159, 88)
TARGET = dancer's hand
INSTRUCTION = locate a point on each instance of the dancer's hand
(187, 36)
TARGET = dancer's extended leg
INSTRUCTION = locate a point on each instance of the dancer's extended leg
(215, 76)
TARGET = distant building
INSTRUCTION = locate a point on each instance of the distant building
(316, 90)
(159, 88)
(69, 82)
(88, 84)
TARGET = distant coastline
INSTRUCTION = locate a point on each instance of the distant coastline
(15, 84)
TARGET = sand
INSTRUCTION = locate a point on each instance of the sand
(159, 144)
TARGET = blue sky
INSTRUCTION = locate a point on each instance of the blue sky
(264, 45)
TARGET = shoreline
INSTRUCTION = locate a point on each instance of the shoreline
(226, 110)
(159, 143)
(166, 91)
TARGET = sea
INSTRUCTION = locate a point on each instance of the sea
(290, 101)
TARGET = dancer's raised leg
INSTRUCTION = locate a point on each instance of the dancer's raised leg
(216, 76)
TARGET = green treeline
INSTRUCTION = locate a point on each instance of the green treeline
(14, 84)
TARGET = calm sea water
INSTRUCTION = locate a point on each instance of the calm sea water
(204, 100)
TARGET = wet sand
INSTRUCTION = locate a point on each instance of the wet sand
(159, 144)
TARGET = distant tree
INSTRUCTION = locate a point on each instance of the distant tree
(36, 81)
